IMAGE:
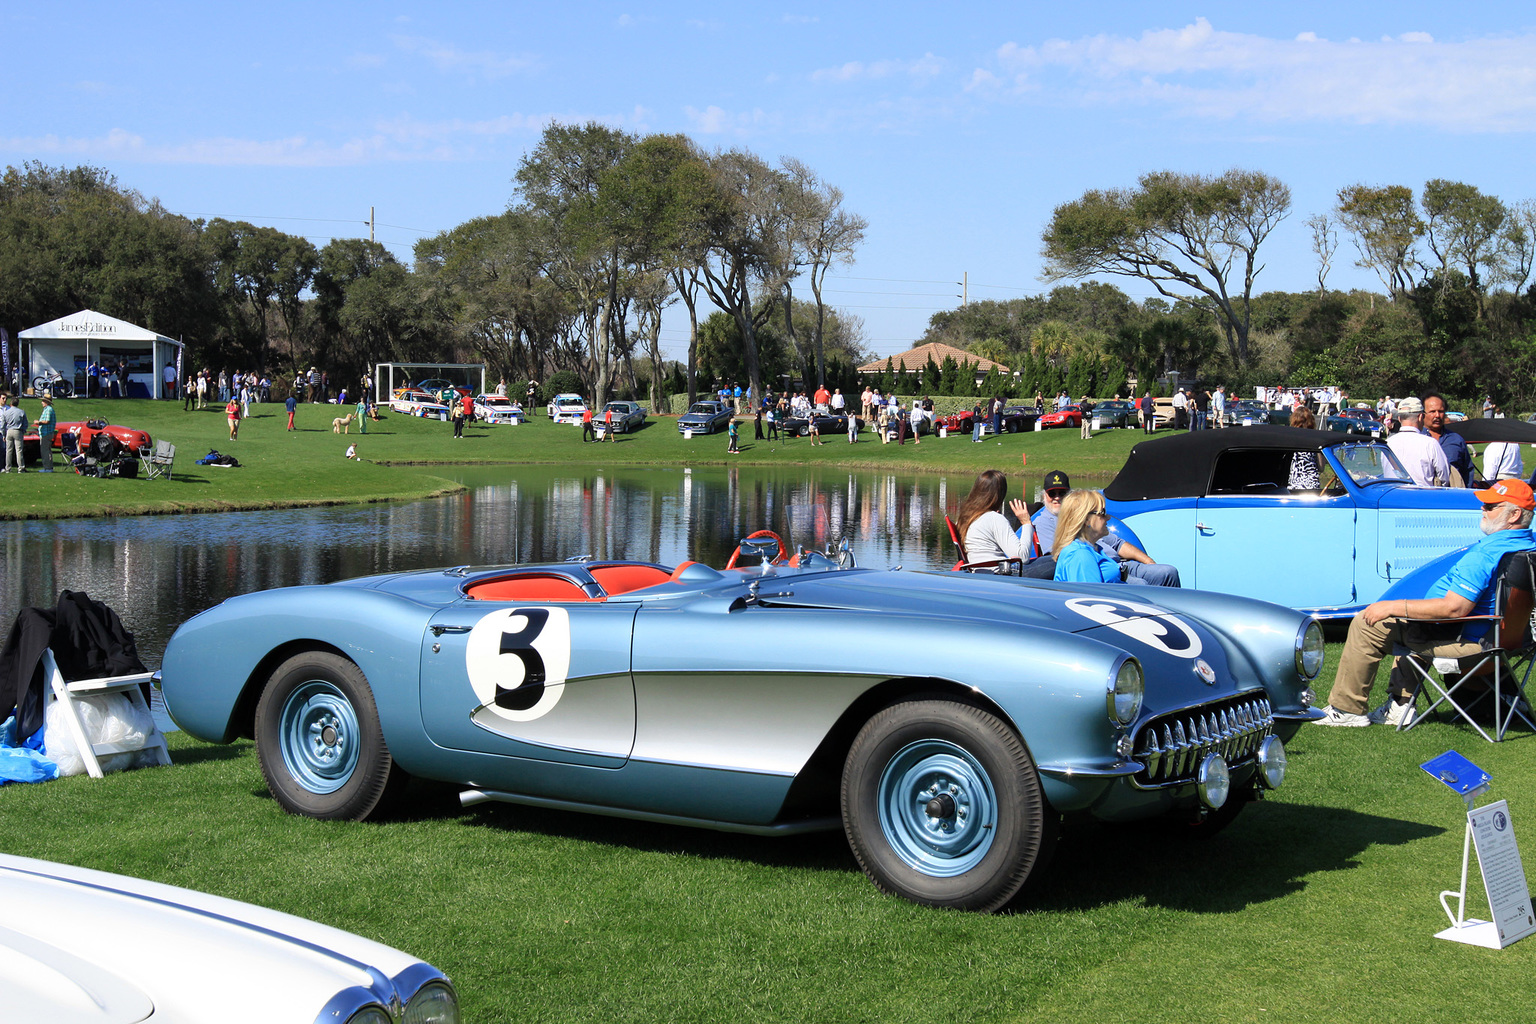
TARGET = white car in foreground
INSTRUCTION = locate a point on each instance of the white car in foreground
(87, 947)
(497, 409)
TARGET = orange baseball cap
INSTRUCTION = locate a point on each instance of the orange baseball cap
(1509, 492)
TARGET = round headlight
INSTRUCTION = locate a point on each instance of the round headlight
(1125, 692)
(1213, 781)
(1309, 650)
(434, 1004)
(1271, 758)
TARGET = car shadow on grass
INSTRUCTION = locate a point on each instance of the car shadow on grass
(815, 851)
(1265, 854)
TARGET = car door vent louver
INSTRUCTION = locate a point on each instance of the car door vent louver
(1171, 747)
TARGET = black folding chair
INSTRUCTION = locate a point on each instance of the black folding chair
(1497, 673)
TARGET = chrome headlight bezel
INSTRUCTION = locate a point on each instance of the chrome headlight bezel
(1213, 781)
(1126, 690)
(1309, 650)
(1271, 762)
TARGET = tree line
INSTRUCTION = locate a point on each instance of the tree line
(605, 230)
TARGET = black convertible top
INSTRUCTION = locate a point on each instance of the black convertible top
(1483, 431)
(1181, 465)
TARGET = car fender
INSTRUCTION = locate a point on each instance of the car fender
(216, 663)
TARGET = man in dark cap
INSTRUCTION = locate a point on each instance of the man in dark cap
(1135, 564)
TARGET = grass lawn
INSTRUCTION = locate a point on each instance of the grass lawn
(1318, 904)
(306, 466)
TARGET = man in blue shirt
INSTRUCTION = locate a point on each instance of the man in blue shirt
(1451, 443)
(1470, 588)
(1135, 564)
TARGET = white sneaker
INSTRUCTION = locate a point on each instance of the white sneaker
(1333, 716)
(1392, 713)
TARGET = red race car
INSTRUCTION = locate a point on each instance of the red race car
(129, 439)
(1071, 416)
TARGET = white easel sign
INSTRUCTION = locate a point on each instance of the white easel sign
(1491, 831)
(1498, 855)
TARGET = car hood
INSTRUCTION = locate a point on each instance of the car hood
(75, 941)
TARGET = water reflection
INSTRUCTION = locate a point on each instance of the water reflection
(157, 571)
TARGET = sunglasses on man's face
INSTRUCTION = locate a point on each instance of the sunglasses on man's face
(1055, 495)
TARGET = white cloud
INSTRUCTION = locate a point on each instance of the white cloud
(1197, 71)
(713, 120)
(924, 67)
(397, 140)
(447, 57)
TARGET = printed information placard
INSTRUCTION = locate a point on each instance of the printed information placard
(1498, 855)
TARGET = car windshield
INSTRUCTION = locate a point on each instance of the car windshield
(703, 409)
(1371, 464)
(563, 403)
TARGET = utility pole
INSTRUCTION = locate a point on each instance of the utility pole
(965, 288)
(369, 222)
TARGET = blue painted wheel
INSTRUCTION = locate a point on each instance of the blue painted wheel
(942, 805)
(938, 809)
(318, 738)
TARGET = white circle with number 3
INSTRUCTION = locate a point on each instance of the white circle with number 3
(508, 650)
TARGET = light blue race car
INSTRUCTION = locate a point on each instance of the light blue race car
(946, 722)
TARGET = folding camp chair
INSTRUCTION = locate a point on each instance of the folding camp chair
(69, 447)
(129, 687)
(1498, 672)
(1001, 566)
(158, 462)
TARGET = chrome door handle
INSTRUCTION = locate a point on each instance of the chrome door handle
(1203, 528)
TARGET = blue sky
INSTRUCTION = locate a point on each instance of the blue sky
(954, 130)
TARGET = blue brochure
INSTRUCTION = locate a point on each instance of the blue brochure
(1460, 775)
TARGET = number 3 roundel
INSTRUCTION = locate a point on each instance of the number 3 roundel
(518, 660)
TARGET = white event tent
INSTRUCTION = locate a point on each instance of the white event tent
(72, 343)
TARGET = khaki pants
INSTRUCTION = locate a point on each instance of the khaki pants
(1367, 645)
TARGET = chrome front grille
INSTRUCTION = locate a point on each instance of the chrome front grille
(1170, 747)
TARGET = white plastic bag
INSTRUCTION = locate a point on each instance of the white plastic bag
(107, 718)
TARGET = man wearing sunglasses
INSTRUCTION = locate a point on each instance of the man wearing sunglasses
(1136, 566)
(1468, 589)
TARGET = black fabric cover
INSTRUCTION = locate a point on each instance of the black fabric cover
(1180, 465)
(88, 641)
(1483, 431)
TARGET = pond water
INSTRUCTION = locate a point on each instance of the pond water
(157, 571)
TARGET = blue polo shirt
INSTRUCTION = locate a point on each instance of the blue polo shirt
(1080, 562)
(1472, 575)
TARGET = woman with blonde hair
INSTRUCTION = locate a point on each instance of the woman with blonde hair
(1081, 524)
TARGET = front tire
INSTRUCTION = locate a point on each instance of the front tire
(319, 741)
(942, 806)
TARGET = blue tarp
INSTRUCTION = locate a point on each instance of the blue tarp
(25, 763)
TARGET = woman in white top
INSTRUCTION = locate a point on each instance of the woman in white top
(985, 531)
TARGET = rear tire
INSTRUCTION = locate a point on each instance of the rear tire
(942, 806)
(319, 741)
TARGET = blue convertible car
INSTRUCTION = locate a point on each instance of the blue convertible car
(1217, 504)
(946, 722)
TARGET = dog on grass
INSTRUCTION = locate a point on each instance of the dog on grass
(342, 424)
